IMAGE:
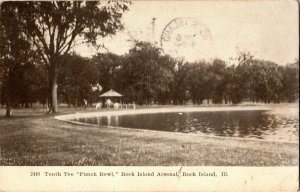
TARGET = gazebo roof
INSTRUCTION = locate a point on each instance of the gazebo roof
(111, 93)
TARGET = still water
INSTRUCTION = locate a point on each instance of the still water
(265, 125)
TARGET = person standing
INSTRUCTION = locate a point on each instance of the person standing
(108, 103)
(84, 103)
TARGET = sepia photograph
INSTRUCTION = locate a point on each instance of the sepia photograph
(149, 84)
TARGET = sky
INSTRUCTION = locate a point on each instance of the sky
(268, 29)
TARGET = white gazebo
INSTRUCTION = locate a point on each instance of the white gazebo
(112, 95)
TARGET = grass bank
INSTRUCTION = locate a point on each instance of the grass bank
(33, 138)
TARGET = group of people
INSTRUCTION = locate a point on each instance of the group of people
(116, 105)
(110, 104)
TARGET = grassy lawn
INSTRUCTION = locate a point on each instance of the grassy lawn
(33, 138)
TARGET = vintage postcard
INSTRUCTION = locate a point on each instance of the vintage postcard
(149, 95)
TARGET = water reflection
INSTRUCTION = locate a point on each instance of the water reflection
(247, 124)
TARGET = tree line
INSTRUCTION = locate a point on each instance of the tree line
(148, 76)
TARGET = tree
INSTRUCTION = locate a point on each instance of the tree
(229, 84)
(53, 27)
(240, 80)
(165, 78)
(108, 66)
(218, 80)
(43, 94)
(179, 85)
(75, 79)
(290, 82)
(197, 81)
(146, 75)
(267, 81)
(16, 58)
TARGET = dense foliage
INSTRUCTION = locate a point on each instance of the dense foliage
(147, 76)
(52, 27)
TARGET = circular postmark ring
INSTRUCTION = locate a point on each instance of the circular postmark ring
(182, 33)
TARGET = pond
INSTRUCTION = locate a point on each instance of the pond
(260, 124)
